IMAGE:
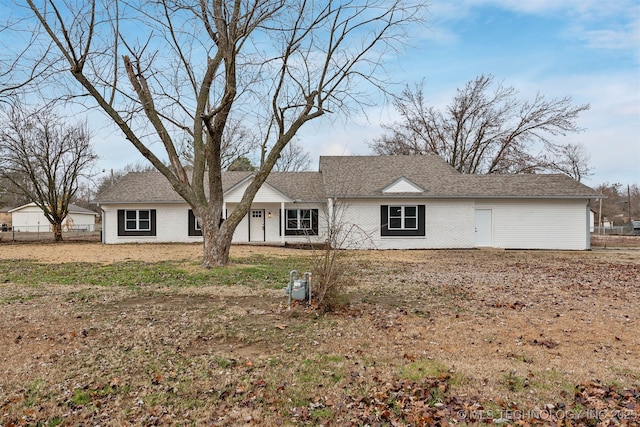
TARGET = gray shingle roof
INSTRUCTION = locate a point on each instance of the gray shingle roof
(524, 186)
(365, 177)
(307, 186)
(153, 187)
(140, 187)
(79, 209)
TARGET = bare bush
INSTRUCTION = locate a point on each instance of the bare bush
(331, 268)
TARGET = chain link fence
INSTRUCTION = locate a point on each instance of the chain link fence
(42, 233)
(618, 230)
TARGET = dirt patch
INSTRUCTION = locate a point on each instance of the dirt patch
(473, 331)
(615, 241)
(100, 253)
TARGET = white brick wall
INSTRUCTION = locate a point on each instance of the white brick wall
(517, 224)
(172, 224)
(449, 224)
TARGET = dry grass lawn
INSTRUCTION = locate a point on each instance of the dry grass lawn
(492, 330)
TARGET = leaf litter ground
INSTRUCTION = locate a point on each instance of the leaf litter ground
(430, 338)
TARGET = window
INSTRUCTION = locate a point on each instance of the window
(301, 222)
(194, 225)
(403, 217)
(402, 220)
(136, 222)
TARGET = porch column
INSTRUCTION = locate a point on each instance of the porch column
(224, 210)
(283, 215)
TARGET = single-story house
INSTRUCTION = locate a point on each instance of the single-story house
(30, 218)
(385, 202)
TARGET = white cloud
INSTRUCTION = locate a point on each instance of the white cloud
(584, 9)
(615, 37)
(612, 125)
(335, 149)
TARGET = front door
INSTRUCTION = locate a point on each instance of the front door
(256, 225)
(484, 231)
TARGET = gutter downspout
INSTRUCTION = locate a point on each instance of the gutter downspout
(283, 214)
(588, 226)
(103, 238)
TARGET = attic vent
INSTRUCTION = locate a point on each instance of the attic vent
(402, 185)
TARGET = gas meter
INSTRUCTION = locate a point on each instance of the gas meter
(298, 289)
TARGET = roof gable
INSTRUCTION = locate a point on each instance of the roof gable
(71, 208)
(369, 176)
(266, 192)
(29, 206)
(402, 185)
(33, 206)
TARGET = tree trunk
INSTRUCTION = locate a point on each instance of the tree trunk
(217, 245)
(57, 232)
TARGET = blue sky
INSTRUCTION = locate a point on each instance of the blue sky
(587, 49)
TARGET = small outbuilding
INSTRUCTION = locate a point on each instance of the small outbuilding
(30, 218)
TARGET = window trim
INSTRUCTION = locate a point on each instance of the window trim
(419, 230)
(312, 230)
(137, 220)
(122, 223)
(403, 217)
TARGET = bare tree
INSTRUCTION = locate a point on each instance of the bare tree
(24, 57)
(486, 129)
(293, 158)
(621, 203)
(9, 194)
(169, 71)
(237, 141)
(572, 160)
(43, 157)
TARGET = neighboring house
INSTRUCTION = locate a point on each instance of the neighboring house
(30, 218)
(388, 202)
